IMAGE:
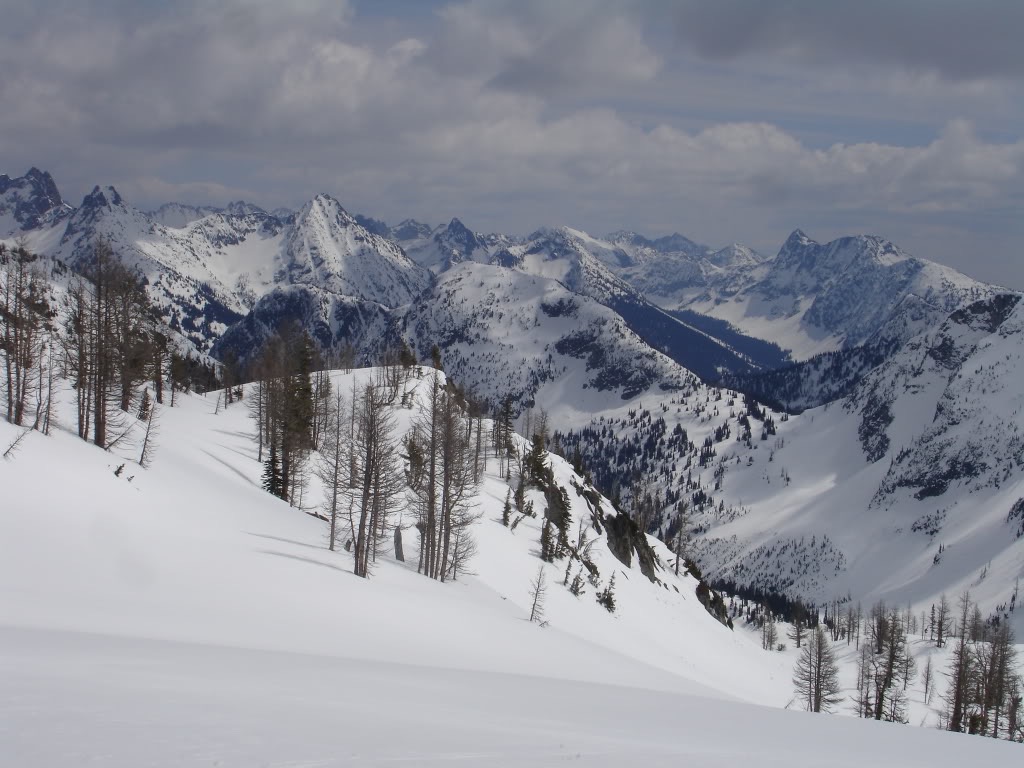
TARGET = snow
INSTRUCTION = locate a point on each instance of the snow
(164, 704)
(182, 616)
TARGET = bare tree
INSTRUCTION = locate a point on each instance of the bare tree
(928, 676)
(24, 324)
(332, 464)
(538, 591)
(799, 625)
(769, 630)
(942, 619)
(443, 482)
(109, 334)
(891, 666)
(683, 534)
(816, 675)
(378, 490)
(149, 439)
(960, 670)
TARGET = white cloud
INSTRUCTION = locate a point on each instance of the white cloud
(509, 115)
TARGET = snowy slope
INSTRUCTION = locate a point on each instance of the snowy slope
(194, 551)
(180, 615)
(908, 488)
(503, 332)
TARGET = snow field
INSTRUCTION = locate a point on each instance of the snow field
(182, 616)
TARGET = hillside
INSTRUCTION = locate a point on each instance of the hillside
(906, 489)
(549, 323)
(181, 614)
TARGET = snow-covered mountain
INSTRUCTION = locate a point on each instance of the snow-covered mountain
(579, 262)
(180, 215)
(507, 333)
(326, 248)
(907, 488)
(205, 268)
(815, 297)
(451, 244)
(30, 202)
(674, 264)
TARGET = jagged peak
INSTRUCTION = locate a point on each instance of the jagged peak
(242, 208)
(457, 229)
(43, 185)
(411, 229)
(102, 197)
(35, 173)
(797, 239)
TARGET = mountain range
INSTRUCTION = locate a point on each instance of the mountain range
(653, 357)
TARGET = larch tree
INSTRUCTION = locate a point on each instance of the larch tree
(109, 336)
(798, 629)
(283, 407)
(24, 331)
(942, 619)
(891, 667)
(816, 675)
(378, 491)
(960, 670)
(538, 592)
(443, 483)
(332, 463)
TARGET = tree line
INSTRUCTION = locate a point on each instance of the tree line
(102, 335)
(984, 688)
(349, 440)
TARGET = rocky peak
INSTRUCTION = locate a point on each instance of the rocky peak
(459, 237)
(410, 229)
(31, 201)
(242, 208)
(106, 197)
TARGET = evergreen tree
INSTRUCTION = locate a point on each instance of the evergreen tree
(145, 406)
(506, 511)
(547, 542)
(535, 462)
(606, 596)
(272, 472)
(577, 583)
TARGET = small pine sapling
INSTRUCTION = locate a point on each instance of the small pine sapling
(606, 596)
(576, 585)
(506, 512)
(144, 406)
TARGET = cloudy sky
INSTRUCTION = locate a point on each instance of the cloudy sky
(728, 121)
